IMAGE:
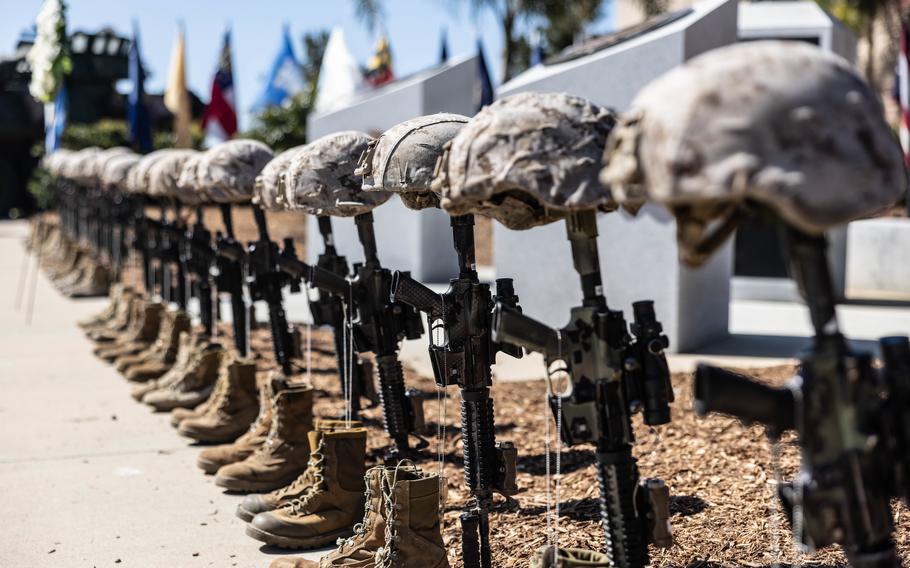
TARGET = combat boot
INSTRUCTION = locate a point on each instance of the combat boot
(211, 459)
(104, 332)
(124, 362)
(551, 557)
(95, 281)
(401, 526)
(193, 384)
(236, 408)
(178, 415)
(186, 349)
(256, 503)
(333, 502)
(148, 318)
(117, 292)
(159, 358)
(285, 452)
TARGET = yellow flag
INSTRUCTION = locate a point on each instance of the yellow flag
(176, 97)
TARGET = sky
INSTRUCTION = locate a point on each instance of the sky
(414, 29)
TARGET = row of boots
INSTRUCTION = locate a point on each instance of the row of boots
(68, 264)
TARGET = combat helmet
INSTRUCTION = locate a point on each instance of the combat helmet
(164, 173)
(54, 161)
(230, 169)
(116, 171)
(268, 190)
(403, 159)
(783, 125)
(321, 178)
(94, 166)
(138, 180)
(189, 188)
(527, 160)
(76, 165)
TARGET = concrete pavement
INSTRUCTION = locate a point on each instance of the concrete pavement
(89, 477)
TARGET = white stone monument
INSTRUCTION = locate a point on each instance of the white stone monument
(800, 21)
(408, 240)
(638, 254)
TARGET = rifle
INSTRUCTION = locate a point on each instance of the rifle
(464, 312)
(230, 257)
(265, 281)
(851, 421)
(612, 376)
(328, 309)
(381, 323)
(172, 235)
(199, 257)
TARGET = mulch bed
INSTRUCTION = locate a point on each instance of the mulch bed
(720, 474)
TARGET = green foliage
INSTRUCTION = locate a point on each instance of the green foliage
(40, 187)
(109, 132)
(283, 127)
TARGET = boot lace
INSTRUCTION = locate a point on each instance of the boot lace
(363, 526)
(387, 556)
(315, 467)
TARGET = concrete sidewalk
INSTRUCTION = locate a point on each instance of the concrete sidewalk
(89, 477)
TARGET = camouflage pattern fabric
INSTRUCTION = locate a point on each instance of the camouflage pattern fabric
(403, 159)
(527, 160)
(321, 178)
(269, 191)
(230, 169)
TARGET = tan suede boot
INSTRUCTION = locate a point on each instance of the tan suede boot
(142, 332)
(178, 415)
(117, 293)
(401, 526)
(256, 503)
(236, 408)
(109, 332)
(95, 281)
(164, 339)
(194, 383)
(185, 350)
(334, 501)
(160, 357)
(211, 459)
(551, 557)
(285, 452)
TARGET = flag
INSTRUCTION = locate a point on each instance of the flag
(140, 131)
(286, 77)
(379, 68)
(444, 47)
(55, 120)
(176, 97)
(339, 75)
(483, 87)
(902, 89)
(220, 117)
(536, 48)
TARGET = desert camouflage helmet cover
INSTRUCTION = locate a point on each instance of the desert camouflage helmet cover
(189, 188)
(321, 178)
(230, 169)
(527, 160)
(403, 159)
(54, 161)
(783, 124)
(95, 165)
(117, 169)
(269, 191)
(76, 165)
(138, 179)
(163, 174)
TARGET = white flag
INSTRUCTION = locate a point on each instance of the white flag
(339, 78)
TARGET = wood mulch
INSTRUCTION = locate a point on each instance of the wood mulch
(720, 473)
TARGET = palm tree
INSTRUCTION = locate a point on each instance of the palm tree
(652, 7)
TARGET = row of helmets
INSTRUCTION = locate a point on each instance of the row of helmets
(783, 125)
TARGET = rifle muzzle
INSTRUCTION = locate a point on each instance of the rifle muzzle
(726, 392)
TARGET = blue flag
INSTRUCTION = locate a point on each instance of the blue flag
(54, 125)
(137, 116)
(483, 87)
(444, 47)
(285, 78)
